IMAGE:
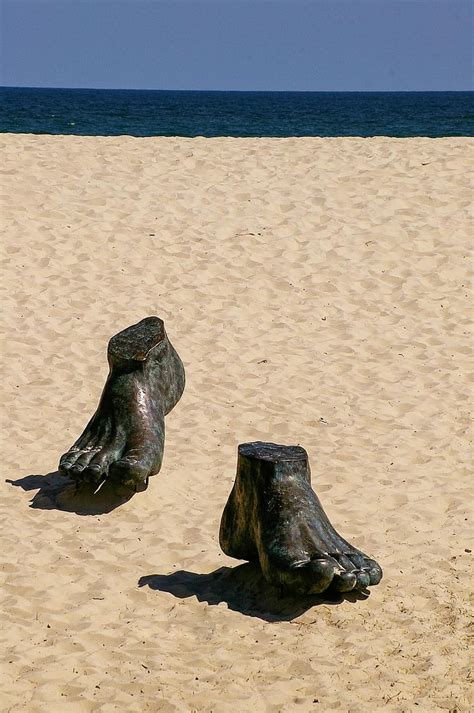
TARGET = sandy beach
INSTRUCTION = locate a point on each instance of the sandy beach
(318, 292)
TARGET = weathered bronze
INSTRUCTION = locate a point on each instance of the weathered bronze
(124, 439)
(274, 517)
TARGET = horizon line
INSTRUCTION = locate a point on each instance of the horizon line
(248, 91)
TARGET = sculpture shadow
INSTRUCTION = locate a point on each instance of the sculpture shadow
(58, 492)
(244, 589)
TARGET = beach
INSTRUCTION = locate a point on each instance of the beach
(318, 292)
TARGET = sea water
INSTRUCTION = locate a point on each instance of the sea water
(110, 112)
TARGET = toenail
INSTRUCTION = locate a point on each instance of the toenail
(298, 564)
(363, 579)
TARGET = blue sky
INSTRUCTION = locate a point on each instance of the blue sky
(313, 45)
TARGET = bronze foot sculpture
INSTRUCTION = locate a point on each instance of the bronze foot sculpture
(124, 439)
(274, 517)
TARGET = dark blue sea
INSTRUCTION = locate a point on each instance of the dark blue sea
(111, 112)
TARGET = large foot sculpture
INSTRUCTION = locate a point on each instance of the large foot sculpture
(274, 517)
(124, 439)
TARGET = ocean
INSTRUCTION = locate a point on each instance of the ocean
(111, 112)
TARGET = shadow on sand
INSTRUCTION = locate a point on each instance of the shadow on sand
(243, 589)
(58, 492)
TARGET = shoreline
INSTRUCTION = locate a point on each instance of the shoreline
(243, 138)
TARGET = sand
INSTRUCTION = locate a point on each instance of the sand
(318, 293)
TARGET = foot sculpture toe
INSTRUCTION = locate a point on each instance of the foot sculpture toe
(320, 574)
(302, 577)
(92, 472)
(76, 469)
(67, 461)
(375, 572)
(365, 564)
(83, 461)
(130, 470)
(344, 581)
(363, 579)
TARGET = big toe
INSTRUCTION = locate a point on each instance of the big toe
(133, 468)
(344, 581)
(308, 576)
(321, 571)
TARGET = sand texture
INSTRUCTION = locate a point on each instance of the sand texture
(318, 293)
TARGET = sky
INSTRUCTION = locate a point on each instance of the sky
(279, 45)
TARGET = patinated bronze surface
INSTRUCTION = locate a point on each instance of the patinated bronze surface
(124, 439)
(274, 517)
